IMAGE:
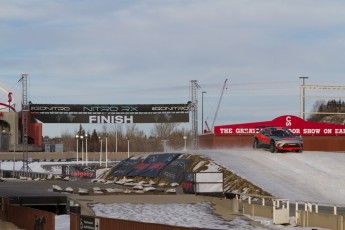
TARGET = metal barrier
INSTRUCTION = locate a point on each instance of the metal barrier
(311, 217)
(19, 174)
(276, 209)
(26, 217)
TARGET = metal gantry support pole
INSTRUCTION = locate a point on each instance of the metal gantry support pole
(202, 111)
(25, 112)
(303, 98)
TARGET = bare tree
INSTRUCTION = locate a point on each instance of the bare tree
(163, 130)
(162, 135)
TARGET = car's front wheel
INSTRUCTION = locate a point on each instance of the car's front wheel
(273, 148)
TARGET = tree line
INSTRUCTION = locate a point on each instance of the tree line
(331, 106)
(162, 137)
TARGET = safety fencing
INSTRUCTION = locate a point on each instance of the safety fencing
(279, 211)
(272, 208)
(26, 217)
(312, 217)
(82, 222)
(30, 218)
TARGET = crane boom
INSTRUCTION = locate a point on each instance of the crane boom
(220, 100)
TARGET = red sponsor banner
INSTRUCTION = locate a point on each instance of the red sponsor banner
(297, 125)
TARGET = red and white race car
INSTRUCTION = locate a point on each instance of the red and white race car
(277, 139)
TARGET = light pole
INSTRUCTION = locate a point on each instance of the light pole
(100, 152)
(86, 156)
(14, 153)
(303, 96)
(106, 150)
(2, 136)
(77, 138)
(185, 143)
(14, 149)
(82, 149)
(164, 145)
(127, 147)
(202, 111)
(116, 137)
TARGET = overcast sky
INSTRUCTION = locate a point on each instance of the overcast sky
(146, 52)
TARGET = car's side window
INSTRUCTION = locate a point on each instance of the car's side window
(266, 132)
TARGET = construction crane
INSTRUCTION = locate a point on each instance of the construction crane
(210, 129)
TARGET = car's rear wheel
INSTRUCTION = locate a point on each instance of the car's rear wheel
(299, 151)
(255, 144)
(273, 148)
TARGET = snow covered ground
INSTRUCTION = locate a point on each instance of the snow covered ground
(308, 176)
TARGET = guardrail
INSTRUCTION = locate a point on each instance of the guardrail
(19, 174)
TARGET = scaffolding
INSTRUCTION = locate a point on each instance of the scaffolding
(25, 114)
(318, 87)
(194, 86)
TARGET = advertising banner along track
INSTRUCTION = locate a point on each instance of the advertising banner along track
(152, 165)
(124, 167)
(175, 170)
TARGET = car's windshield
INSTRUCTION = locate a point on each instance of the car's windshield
(282, 133)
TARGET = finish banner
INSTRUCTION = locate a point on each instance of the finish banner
(109, 119)
(93, 108)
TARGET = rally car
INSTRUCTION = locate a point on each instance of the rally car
(277, 139)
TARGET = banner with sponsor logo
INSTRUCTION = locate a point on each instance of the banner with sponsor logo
(175, 170)
(153, 164)
(109, 108)
(88, 172)
(124, 167)
(188, 184)
(297, 125)
(109, 119)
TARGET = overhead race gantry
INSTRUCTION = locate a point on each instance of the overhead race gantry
(109, 113)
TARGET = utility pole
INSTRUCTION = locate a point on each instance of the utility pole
(302, 113)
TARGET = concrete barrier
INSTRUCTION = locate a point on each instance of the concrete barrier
(311, 217)
(277, 209)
